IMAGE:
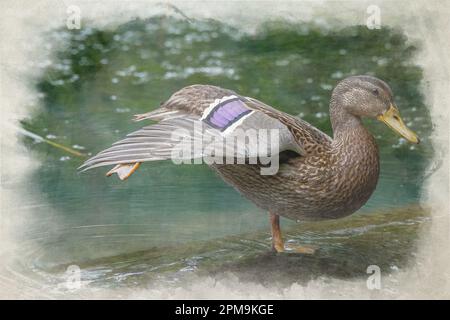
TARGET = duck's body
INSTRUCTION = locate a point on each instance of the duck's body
(329, 182)
(319, 177)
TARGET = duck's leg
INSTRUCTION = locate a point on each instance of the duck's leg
(277, 239)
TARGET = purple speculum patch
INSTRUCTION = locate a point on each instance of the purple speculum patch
(226, 113)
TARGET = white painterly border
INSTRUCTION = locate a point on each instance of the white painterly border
(24, 22)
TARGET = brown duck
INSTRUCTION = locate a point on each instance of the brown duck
(318, 177)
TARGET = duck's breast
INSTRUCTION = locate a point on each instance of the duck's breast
(327, 185)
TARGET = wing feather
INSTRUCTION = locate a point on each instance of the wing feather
(187, 114)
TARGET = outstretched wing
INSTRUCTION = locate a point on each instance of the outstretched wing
(193, 115)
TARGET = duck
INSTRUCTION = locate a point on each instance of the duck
(299, 173)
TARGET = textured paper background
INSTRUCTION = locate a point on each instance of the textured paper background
(22, 26)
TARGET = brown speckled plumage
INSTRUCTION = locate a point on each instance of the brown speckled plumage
(323, 185)
(330, 178)
(335, 179)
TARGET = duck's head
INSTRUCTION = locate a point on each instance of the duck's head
(370, 97)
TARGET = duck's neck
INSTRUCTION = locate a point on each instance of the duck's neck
(349, 132)
(355, 154)
(344, 124)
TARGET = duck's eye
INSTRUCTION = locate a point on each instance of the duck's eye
(375, 91)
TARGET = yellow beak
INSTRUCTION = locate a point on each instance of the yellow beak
(392, 119)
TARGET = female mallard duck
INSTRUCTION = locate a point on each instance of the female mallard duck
(319, 177)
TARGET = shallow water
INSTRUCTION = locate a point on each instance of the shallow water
(168, 222)
(344, 250)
